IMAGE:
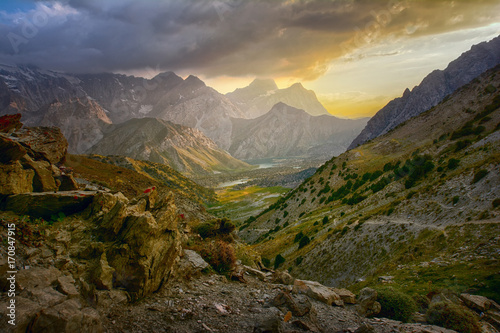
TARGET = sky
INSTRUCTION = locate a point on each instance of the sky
(357, 55)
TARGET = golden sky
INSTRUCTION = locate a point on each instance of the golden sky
(355, 54)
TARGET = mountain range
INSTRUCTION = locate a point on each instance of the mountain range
(432, 90)
(262, 94)
(288, 132)
(95, 110)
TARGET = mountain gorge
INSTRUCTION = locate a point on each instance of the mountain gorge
(401, 203)
(433, 89)
(262, 94)
(289, 132)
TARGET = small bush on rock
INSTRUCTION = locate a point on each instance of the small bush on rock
(220, 255)
(452, 316)
(395, 304)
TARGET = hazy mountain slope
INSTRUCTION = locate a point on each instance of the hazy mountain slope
(261, 95)
(26, 89)
(286, 131)
(195, 105)
(82, 121)
(432, 90)
(127, 97)
(184, 149)
(402, 200)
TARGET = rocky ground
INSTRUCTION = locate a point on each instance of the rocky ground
(210, 303)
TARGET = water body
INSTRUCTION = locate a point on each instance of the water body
(233, 183)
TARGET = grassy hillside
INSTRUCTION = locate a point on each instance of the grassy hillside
(132, 177)
(374, 208)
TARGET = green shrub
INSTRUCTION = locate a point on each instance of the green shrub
(453, 163)
(266, 262)
(278, 261)
(298, 260)
(216, 227)
(410, 194)
(455, 199)
(422, 303)
(479, 175)
(462, 144)
(304, 241)
(325, 220)
(496, 203)
(454, 317)
(298, 237)
(395, 304)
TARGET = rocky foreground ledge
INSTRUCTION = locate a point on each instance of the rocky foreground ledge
(119, 266)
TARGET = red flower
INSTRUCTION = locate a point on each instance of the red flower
(75, 197)
(147, 190)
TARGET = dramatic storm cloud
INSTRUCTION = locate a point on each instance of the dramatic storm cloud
(294, 39)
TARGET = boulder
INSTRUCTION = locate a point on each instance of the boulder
(14, 179)
(145, 236)
(282, 278)
(43, 143)
(46, 296)
(46, 204)
(255, 272)
(109, 298)
(196, 261)
(26, 311)
(492, 317)
(37, 277)
(270, 324)
(317, 291)
(367, 303)
(43, 180)
(10, 123)
(11, 151)
(68, 317)
(346, 296)
(102, 275)
(68, 183)
(476, 302)
(66, 285)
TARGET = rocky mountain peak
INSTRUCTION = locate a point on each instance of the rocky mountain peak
(194, 80)
(263, 85)
(297, 85)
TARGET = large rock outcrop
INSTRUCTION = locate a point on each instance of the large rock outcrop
(141, 241)
(31, 159)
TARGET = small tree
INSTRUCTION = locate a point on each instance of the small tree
(278, 261)
(304, 241)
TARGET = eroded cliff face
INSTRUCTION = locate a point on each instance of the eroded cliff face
(433, 89)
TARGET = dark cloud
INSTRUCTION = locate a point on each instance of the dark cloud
(220, 37)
